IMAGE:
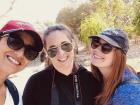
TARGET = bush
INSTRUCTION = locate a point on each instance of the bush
(91, 25)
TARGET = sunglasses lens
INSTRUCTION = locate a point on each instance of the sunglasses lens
(52, 52)
(106, 48)
(66, 47)
(95, 42)
(14, 43)
(94, 45)
(29, 53)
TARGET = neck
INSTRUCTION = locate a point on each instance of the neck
(66, 70)
(3, 77)
(105, 71)
(2, 94)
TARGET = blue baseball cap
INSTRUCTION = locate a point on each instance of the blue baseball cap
(115, 37)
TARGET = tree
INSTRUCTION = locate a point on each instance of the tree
(136, 20)
(72, 17)
(67, 17)
(108, 13)
(91, 25)
(114, 13)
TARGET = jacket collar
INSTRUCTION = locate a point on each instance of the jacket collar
(129, 74)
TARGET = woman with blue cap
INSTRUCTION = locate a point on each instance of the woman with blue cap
(121, 86)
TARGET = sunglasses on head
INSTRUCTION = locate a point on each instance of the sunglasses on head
(67, 47)
(15, 42)
(105, 47)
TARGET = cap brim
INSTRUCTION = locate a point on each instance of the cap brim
(38, 40)
(107, 39)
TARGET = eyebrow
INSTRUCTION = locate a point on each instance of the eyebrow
(53, 46)
(65, 42)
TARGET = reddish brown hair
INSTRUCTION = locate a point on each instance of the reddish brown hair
(114, 78)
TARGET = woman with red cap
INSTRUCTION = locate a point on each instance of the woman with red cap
(19, 45)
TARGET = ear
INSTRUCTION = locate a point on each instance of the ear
(75, 46)
(89, 48)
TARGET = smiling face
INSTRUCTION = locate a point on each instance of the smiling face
(63, 59)
(12, 61)
(101, 60)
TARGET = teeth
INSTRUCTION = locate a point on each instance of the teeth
(62, 60)
(98, 57)
(13, 60)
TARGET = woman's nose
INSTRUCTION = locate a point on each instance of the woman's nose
(97, 49)
(60, 51)
(20, 52)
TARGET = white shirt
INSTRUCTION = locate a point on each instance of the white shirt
(9, 99)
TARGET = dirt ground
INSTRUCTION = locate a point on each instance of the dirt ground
(133, 56)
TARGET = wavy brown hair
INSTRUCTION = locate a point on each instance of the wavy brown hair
(114, 78)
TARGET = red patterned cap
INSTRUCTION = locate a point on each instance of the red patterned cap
(24, 26)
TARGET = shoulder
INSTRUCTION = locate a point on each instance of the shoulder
(9, 83)
(44, 73)
(129, 88)
(89, 83)
(87, 77)
(41, 77)
(13, 91)
(85, 74)
(83, 71)
(127, 94)
(37, 83)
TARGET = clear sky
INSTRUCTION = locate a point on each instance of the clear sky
(32, 10)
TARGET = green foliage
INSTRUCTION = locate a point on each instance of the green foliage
(92, 25)
(72, 17)
(95, 15)
(65, 16)
(130, 29)
(136, 20)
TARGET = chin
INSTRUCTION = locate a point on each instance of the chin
(97, 64)
(13, 71)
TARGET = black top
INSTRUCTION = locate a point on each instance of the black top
(39, 87)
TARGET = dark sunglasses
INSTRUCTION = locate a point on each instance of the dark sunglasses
(105, 47)
(52, 52)
(15, 42)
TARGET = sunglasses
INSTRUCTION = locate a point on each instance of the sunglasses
(67, 47)
(15, 42)
(105, 47)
